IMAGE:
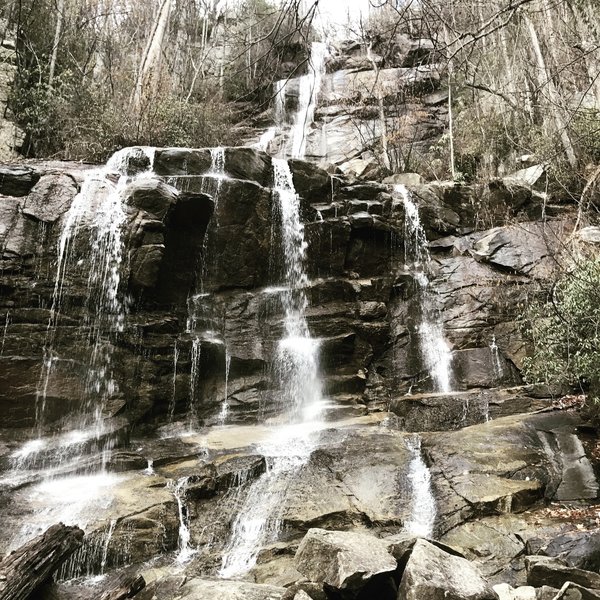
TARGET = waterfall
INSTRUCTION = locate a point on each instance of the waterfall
(94, 221)
(279, 93)
(186, 552)
(5, 331)
(225, 406)
(297, 353)
(423, 509)
(174, 382)
(310, 86)
(435, 351)
(496, 360)
(297, 370)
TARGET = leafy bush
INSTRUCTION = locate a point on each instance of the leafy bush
(564, 329)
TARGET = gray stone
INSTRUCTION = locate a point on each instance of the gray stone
(579, 549)
(506, 592)
(50, 198)
(408, 179)
(544, 570)
(214, 589)
(590, 234)
(343, 560)
(431, 574)
(152, 195)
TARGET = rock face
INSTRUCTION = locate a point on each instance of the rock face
(191, 344)
(356, 89)
(431, 574)
(362, 306)
(344, 561)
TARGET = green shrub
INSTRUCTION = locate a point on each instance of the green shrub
(564, 330)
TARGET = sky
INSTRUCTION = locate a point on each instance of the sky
(336, 13)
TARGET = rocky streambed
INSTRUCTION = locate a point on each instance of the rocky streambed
(153, 415)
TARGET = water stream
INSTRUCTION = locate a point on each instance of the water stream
(297, 373)
(310, 86)
(90, 250)
(423, 508)
(435, 351)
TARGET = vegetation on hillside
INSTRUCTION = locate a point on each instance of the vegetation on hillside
(523, 76)
(162, 72)
(563, 327)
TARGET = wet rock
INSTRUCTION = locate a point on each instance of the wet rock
(432, 573)
(238, 470)
(544, 570)
(152, 195)
(135, 161)
(310, 181)
(145, 264)
(50, 198)
(181, 161)
(202, 485)
(17, 181)
(344, 561)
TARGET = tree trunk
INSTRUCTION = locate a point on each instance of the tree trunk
(554, 104)
(147, 78)
(25, 569)
(60, 16)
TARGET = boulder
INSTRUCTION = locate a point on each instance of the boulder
(525, 249)
(432, 574)
(310, 181)
(580, 549)
(181, 161)
(590, 234)
(152, 195)
(249, 164)
(343, 560)
(545, 570)
(50, 198)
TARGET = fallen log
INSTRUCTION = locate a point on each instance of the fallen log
(31, 565)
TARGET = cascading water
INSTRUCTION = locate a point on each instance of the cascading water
(297, 371)
(94, 221)
(297, 352)
(435, 352)
(186, 552)
(423, 508)
(496, 360)
(310, 86)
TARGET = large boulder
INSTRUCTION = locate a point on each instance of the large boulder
(545, 570)
(579, 549)
(343, 560)
(50, 198)
(432, 574)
